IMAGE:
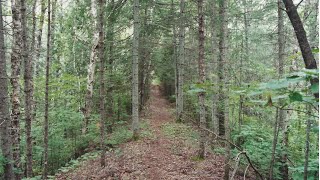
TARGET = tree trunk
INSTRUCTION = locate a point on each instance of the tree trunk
(28, 56)
(46, 113)
(309, 60)
(228, 136)
(39, 36)
(4, 107)
(91, 71)
(274, 144)
(174, 54)
(221, 70)
(214, 28)
(110, 37)
(16, 57)
(180, 61)
(307, 148)
(202, 78)
(135, 71)
(283, 125)
(100, 20)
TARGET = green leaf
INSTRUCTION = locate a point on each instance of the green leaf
(315, 50)
(295, 96)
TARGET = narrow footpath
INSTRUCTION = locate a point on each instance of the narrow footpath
(159, 157)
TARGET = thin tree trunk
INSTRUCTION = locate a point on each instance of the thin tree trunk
(221, 69)
(274, 144)
(202, 78)
(110, 36)
(180, 60)
(28, 56)
(174, 54)
(16, 57)
(39, 36)
(4, 107)
(282, 118)
(214, 25)
(91, 71)
(46, 113)
(309, 60)
(135, 71)
(307, 148)
(228, 136)
(100, 20)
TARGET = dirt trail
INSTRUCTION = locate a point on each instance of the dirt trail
(153, 158)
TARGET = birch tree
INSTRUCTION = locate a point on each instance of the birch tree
(91, 70)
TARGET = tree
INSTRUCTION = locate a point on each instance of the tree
(46, 113)
(100, 20)
(4, 107)
(16, 57)
(214, 25)
(180, 61)
(283, 124)
(43, 8)
(135, 70)
(28, 57)
(309, 61)
(91, 70)
(221, 69)
(202, 78)
(223, 107)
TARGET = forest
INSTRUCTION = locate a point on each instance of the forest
(159, 89)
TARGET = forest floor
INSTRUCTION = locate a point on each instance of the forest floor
(159, 156)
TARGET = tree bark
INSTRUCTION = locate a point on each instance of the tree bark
(174, 54)
(28, 57)
(180, 61)
(309, 60)
(214, 25)
(39, 36)
(4, 107)
(46, 113)
(110, 38)
(100, 20)
(307, 147)
(91, 71)
(221, 69)
(16, 57)
(202, 78)
(135, 71)
(274, 144)
(228, 136)
(282, 114)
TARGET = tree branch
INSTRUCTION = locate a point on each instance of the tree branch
(237, 147)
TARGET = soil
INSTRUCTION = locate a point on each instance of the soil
(153, 158)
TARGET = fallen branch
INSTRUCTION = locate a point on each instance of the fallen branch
(245, 172)
(236, 166)
(237, 147)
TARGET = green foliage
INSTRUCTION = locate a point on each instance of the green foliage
(120, 135)
(2, 161)
(181, 131)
